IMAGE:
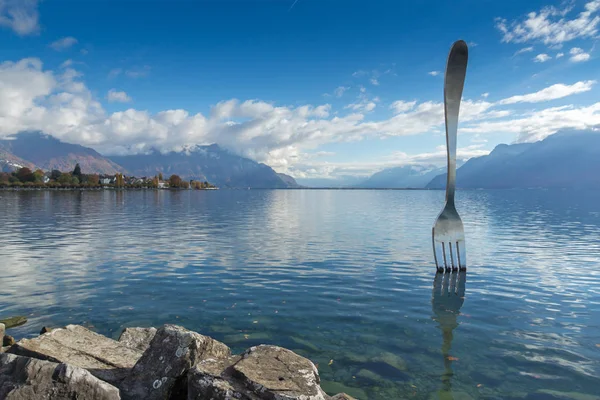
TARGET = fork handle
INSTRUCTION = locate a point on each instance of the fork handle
(456, 69)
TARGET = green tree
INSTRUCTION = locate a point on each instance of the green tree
(38, 176)
(160, 177)
(77, 171)
(55, 174)
(75, 180)
(64, 179)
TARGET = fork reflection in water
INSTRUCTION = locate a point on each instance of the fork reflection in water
(447, 299)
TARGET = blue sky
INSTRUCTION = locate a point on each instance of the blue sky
(320, 89)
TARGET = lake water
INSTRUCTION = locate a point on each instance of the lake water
(345, 278)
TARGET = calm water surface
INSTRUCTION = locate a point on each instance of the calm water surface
(344, 278)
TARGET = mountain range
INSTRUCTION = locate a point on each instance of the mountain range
(568, 159)
(206, 163)
(37, 150)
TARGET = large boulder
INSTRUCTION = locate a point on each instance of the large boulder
(161, 373)
(2, 330)
(277, 373)
(24, 378)
(105, 358)
(213, 379)
(262, 372)
(137, 338)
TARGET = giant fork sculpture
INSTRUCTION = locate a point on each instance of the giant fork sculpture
(448, 233)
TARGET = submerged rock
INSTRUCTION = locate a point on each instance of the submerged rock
(105, 358)
(161, 373)
(24, 378)
(333, 387)
(13, 322)
(342, 396)
(137, 338)
(569, 395)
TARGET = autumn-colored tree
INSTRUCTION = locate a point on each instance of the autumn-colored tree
(160, 177)
(93, 179)
(25, 175)
(184, 185)
(174, 181)
(119, 182)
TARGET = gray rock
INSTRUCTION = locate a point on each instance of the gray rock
(2, 330)
(105, 358)
(161, 373)
(276, 373)
(137, 338)
(262, 372)
(24, 378)
(212, 379)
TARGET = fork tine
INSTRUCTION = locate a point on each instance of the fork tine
(446, 265)
(452, 257)
(438, 256)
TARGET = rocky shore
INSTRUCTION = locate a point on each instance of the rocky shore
(147, 363)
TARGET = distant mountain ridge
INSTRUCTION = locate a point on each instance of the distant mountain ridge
(48, 153)
(207, 163)
(405, 177)
(569, 159)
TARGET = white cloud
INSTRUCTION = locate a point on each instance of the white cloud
(339, 91)
(307, 167)
(114, 72)
(64, 43)
(578, 55)
(485, 95)
(551, 26)
(138, 72)
(374, 81)
(553, 92)
(540, 58)
(401, 106)
(434, 73)
(359, 73)
(21, 16)
(117, 96)
(559, 55)
(365, 106)
(66, 63)
(537, 125)
(523, 50)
